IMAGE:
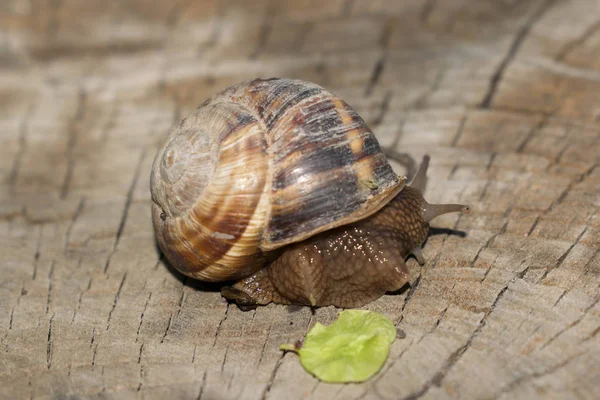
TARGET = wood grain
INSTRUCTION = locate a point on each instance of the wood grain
(504, 95)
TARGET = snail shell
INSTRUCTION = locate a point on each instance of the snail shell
(258, 166)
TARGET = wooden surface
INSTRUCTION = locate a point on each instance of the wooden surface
(504, 95)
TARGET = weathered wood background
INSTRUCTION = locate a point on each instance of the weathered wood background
(505, 96)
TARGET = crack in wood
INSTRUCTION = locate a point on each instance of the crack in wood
(588, 264)
(383, 373)
(562, 54)
(411, 292)
(81, 294)
(137, 335)
(230, 381)
(142, 372)
(527, 377)
(591, 335)
(560, 298)
(489, 269)
(580, 179)
(488, 243)
(129, 199)
(512, 52)
(94, 355)
(534, 225)
(182, 298)
(116, 300)
(173, 317)
(559, 200)
(194, 354)
(453, 170)
(160, 261)
(264, 346)
(219, 326)
(375, 75)
(385, 105)
(439, 376)
(199, 397)
(50, 286)
(562, 258)
(526, 319)
(36, 257)
(224, 359)
(73, 133)
(110, 123)
(272, 377)
(162, 339)
(421, 101)
(10, 322)
(378, 69)
(459, 131)
(139, 360)
(531, 134)
(439, 253)
(435, 325)
(74, 218)
(125, 212)
(491, 161)
(22, 293)
(571, 325)
(566, 72)
(561, 152)
(23, 129)
(439, 318)
(337, 392)
(49, 344)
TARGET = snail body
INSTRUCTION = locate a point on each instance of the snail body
(280, 185)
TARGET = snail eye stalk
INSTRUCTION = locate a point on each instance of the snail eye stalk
(431, 211)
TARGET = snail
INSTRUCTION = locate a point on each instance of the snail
(280, 187)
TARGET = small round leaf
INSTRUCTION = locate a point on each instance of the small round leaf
(352, 349)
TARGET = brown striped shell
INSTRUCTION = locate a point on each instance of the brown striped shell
(258, 166)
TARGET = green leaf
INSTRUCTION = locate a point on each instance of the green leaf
(352, 349)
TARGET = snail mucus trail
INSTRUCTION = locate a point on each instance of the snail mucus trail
(280, 186)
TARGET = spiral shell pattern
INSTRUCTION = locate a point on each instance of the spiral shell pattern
(258, 166)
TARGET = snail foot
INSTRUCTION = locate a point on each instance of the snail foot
(238, 297)
(254, 290)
